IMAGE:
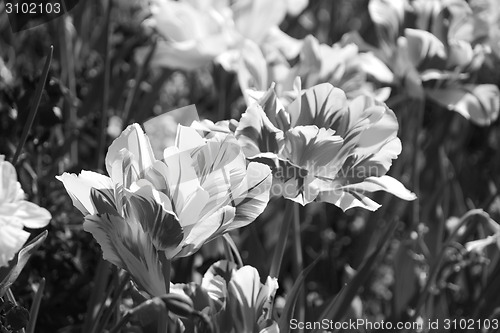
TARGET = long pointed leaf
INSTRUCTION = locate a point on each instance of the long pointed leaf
(20, 261)
(294, 293)
(340, 304)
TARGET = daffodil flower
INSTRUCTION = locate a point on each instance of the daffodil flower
(149, 211)
(16, 213)
(323, 147)
(234, 298)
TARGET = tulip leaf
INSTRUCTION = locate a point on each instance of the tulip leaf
(405, 280)
(477, 103)
(338, 307)
(293, 296)
(9, 276)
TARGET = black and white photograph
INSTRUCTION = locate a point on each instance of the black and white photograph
(249, 166)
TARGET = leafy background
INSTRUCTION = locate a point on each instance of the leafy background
(454, 161)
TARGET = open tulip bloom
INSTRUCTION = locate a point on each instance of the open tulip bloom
(149, 211)
(15, 214)
(324, 148)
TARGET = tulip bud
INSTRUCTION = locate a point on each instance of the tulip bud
(179, 304)
(17, 317)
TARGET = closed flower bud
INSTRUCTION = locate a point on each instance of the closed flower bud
(179, 304)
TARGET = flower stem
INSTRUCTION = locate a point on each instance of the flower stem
(166, 270)
(279, 251)
(229, 241)
(105, 94)
(34, 105)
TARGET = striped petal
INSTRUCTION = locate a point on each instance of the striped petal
(140, 156)
(156, 217)
(79, 188)
(127, 246)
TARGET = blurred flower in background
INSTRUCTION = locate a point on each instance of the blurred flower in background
(149, 211)
(16, 213)
(344, 66)
(195, 33)
(435, 50)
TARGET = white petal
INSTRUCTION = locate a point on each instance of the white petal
(12, 239)
(31, 215)
(10, 189)
(78, 187)
(383, 183)
(137, 143)
(127, 246)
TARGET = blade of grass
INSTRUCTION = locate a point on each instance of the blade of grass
(137, 83)
(94, 304)
(298, 263)
(35, 306)
(34, 105)
(338, 307)
(294, 295)
(436, 267)
(106, 315)
(69, 62)
(105, 95)
(279, 250)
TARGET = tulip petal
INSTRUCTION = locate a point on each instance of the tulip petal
(478, 103)
(322, 105)
(311, 147)
(251, 197)
(254, 19)
(347, 200)
(79, 188)
(158, 221)
(201, 233)
(243, 290)
(256, 133)
(127, 246)
(383, 183)
(137, 144)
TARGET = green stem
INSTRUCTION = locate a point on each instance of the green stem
(166, 269)
(279, 251)
(436, 267)
(232, 246)
(298, 263)
(34, 105)
(116, 297)
(105, 95)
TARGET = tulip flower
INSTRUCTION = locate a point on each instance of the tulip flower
(150, 211)
(194, 33)
(234, 298)
(344, 66)
(323, 147)
(15, 214)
